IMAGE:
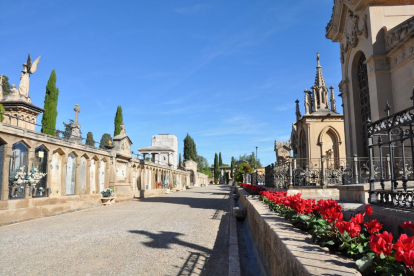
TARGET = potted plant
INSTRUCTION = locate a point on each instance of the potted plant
(107, 192)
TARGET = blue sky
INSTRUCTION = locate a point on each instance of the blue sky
(226, 72)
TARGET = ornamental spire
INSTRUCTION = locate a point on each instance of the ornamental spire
(333, 101)
(321, 90)
(298, 114)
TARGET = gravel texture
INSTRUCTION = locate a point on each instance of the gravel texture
(184, 233)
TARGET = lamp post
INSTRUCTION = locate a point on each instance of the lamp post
(256, 158)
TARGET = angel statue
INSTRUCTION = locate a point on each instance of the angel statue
(28, 68)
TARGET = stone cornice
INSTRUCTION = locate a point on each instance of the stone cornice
(336, 25)
(399, 34)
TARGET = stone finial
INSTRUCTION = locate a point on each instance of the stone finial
(308, 108)
(333, 101)
(298, 114)
(318, 57)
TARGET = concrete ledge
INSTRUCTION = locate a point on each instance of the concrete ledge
(359, 192)
(287, 250)
(151, 193)
(312, 192)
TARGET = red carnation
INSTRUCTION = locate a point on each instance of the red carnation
(405, 250)
(359, 218)
(368, 210)
(408, 224)
(381, 243)
(373, 226)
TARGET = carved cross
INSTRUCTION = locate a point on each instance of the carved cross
(77, 110)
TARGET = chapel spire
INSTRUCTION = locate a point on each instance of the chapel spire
(319, 89)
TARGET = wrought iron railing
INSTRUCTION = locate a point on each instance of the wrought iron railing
(323, 172)
(393, 137)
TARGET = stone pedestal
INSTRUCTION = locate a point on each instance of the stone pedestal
(21, 113)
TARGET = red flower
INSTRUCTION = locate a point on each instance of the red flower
(408, 224)
(359, 218)
(405, 250)
(350, 227)
(368, 210)
(373, 226)
(381, 243)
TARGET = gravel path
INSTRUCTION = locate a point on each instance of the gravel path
(184, 233)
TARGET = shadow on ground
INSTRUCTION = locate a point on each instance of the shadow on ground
(204, 261)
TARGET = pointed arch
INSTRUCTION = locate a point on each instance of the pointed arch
(326, 129)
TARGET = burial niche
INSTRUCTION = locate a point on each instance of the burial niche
(71, 174)
(18, 170)
(40, 162)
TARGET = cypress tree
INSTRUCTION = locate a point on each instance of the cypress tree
(232, 167)
(2, 110)
(104, 140)
(190, 151)
(179, 160)
(89, 139)
(51, 101)
(118, 120)
(220, 160)
(6, 85)
(216, 169)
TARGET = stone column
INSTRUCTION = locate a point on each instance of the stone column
(6, 167)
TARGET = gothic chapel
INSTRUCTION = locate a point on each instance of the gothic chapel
(319, 133)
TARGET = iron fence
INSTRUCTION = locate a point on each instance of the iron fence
(393, 137)
(315, 172)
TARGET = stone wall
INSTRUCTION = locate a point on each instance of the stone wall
(92, 170)
(286, 250)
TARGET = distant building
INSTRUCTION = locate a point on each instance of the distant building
(163, 150)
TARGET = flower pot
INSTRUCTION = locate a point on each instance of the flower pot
(106, 194)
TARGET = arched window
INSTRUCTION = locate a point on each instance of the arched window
(18, 170)
(40, 161)
(365, 104)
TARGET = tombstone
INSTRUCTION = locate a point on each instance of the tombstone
(56, 174)
(82, 175)
(102, 176)
(92, 181)
(71, 174)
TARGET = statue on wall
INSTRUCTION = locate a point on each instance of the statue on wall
(28, 68)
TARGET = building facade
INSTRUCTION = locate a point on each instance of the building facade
(376, 46)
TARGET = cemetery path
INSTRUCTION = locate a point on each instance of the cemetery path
(184, 233)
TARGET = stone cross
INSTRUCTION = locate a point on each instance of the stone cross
(77, 110)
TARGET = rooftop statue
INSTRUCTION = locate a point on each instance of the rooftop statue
(28, 68)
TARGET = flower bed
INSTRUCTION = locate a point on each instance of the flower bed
(251, 189)
(375, 252)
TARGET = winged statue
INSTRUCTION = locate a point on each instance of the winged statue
(28, 68)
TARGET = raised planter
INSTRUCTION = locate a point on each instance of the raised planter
(287, 250)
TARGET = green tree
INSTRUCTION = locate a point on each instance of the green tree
(50, 106)
(2, 110)
(180, 161)
(220, 160)
(6, 85)
(104, 140)
(190, 150)
(251, 159)
(216, 169)
(233, 163)
(119, 119)
(68, 129)
(89, 139)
